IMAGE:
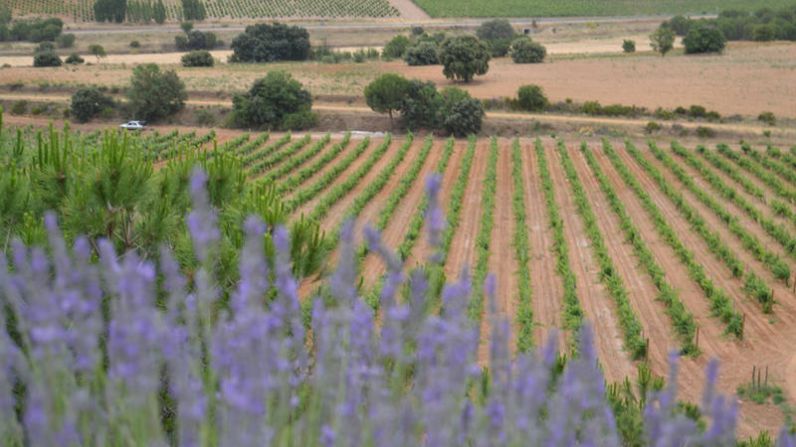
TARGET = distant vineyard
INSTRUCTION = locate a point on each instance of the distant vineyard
(82, 10)
(544, 8)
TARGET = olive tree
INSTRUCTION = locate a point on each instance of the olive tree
(276, 101)
(464, 57)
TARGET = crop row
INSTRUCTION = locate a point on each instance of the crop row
(778, 164)
(254, 152)
(415, 227)
(245, 150)
(186, 143)
(297, 160)
(573, 313)
(436, 268)
(340, 190)
(778, 207)
(305, 195)
(758, 171)
(484, 238)
(377, 185)
(522, 254)
(631, 326)
(732, 172)
(763, 295)
(297, 179)
(720, 303)
(683, 321)
(776, 231)
(278, 157)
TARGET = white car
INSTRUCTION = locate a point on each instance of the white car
(133, 125)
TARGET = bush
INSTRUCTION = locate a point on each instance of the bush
(680, 25)
(705, 132)
(88, 103)
(768, 117)
(495, 29)
(396, 48)
(652, 127)
(19, 107)
(592, 108)
(662, 40)
(204, 117)
(422, 106)
(200, 58)
(135, 44)
(154, 94)
(37, 30)
(704, 39)
(269, 43)
(463, 115)
(463, 57)
(195, 40)
(386, 93)
(270, 101)
(629, 46)
(526, 51)
(422, 53)
(74, 59)
(66, 40)
(302, 120)
(46, 59)
(531, 98)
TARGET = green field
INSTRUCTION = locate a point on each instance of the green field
(547, 8)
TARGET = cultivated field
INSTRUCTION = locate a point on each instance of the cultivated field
(542, 8)
(662, 248)
(82, 10)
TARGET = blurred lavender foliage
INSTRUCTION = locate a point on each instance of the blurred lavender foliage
(119, 351)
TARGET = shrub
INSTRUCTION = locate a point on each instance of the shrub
(270, 100)
(135, 44)
(463, 57)
(396, 47)
(418, 30)
(302, 120)
(88, 103)
(495, 29)
(462, 114)
(662, 40)
(269, 43)
(19, 107)
(629, 46)
(680, 25)
(154, 94)
(531, 98)
(704, 39)
(46, 59)
(664, 114)
(200, 58)
(204, 117)
(386, 93)
(526, 51)
(768, 117)
(705, 132)
(66, 40)
(422, 105)
(97, 51)
(195, 40)
(652, 127)
(74, 59)
(44, 46)
(592, 108)
(422, 53)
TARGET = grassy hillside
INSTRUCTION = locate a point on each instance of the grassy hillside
(548, 8)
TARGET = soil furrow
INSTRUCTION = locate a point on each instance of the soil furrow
(599, 309)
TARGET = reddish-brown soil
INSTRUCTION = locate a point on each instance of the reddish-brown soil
(393, 235)
(546, 284)
(768, 340)
(598, 306)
